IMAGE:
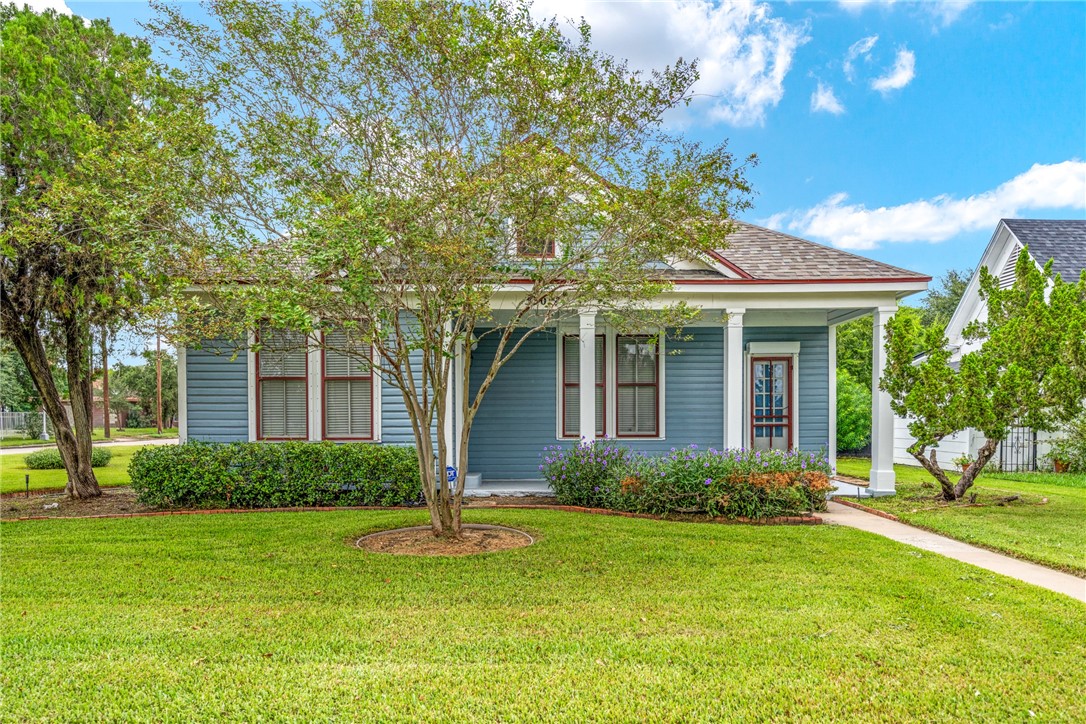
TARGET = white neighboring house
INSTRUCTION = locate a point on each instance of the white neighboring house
(1062, 241)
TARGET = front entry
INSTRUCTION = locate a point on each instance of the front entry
(771, 403)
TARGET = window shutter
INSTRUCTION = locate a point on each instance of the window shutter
(348, 387)
(344, 356)
(637, 385)
(282, 408)
(282, 354)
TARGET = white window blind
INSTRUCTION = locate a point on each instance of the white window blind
(282, 382)
(637, 387)
(348, 387)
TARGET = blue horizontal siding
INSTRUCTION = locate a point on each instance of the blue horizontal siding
(814, 389)
(516, 419)
(217, 392)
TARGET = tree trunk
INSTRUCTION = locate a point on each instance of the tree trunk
(931, 464)
(984, 454)
(81, 480)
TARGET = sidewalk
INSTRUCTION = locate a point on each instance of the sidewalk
(111, 443)
(1038, 575)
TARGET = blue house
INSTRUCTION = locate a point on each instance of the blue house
(756, 371)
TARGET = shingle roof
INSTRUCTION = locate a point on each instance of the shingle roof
(765, 254)
(1061, 240)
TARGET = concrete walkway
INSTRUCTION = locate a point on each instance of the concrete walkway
(112, 443)
(1053, 580)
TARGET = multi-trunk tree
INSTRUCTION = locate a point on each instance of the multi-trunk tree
(105, 160)
(1030, 368)
(424, 175)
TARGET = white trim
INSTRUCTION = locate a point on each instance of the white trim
(734, 376)
(314, 383)
(250, 360)
(586, 379)
(882, 478)
(762, 348)
(831, 370)
(182, 394)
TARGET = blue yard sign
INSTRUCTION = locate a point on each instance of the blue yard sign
(450, 473)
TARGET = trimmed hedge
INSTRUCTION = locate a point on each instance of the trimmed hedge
(50, 459)
(727, 483)
(275, 475)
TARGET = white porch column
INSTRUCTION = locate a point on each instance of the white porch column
(587, 378)
(882, 417)
(831, 371)
(733, 381)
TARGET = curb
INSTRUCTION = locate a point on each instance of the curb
(872, 511)
(779, 520)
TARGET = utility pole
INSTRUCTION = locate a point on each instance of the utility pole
(158, 378)
(105, 383)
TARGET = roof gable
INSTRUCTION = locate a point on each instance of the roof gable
(1061, 240)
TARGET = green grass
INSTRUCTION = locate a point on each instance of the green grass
(271, 616)
(13, 471)
(98, 435)
(1051, 533)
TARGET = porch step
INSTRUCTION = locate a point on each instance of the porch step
(513, 488)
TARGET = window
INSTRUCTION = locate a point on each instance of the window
(771, 403)
(571, 385)
(637, 394)
(348, 388)
(281, 379)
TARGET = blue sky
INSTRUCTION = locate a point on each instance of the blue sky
(899, 130)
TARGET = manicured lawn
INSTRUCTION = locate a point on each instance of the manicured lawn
(98, 435)
(272, 616)
(13, 471)
(1052, 533)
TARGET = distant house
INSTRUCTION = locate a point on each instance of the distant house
(1062, 241)
(756, 371)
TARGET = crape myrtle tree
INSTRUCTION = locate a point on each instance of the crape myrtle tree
(1030, 368)
(426, 175)
(103, 164)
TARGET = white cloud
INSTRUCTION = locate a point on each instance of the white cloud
(40, 5)
(854, 226)
(900, 75)
(944, 12)
(744, 52)
(861, 48)
(823, 99)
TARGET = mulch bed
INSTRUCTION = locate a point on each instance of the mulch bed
(420, 541)
(120, 502)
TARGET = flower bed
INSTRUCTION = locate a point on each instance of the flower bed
(726, 483)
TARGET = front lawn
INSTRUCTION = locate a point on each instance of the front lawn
(13, 471)
(98, 435)
(272, 616)
(1051, 533)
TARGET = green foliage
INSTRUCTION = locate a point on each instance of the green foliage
(49, 459)
(1070, 447)
(108, 161)
(275, 475)
(940, 302)
(140, 381)
(728, 483)
(422, 155)
(853, 413)
(854, 356)
(1029, 369)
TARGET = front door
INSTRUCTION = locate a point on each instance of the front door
(771, 403)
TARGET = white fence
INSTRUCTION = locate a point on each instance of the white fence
(13, 424)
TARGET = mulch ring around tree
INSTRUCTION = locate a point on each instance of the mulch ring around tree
(421, 541)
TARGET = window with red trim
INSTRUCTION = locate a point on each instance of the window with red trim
(571, 385)
(637, 386)
(281, 384)
(347, 387)
(771, 403)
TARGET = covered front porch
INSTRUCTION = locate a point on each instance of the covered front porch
(741, 377)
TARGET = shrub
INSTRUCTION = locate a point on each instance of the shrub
(586, 475)
(32, 426)
(728, 483)
(274, 475)
(853, 413)
(49, 459)
(1071, 447)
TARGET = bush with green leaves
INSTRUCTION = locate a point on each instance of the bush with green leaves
(275, 475)
(853, 413)
(49, 459)
(1070, 447)
(32, 426)
(727, 483)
